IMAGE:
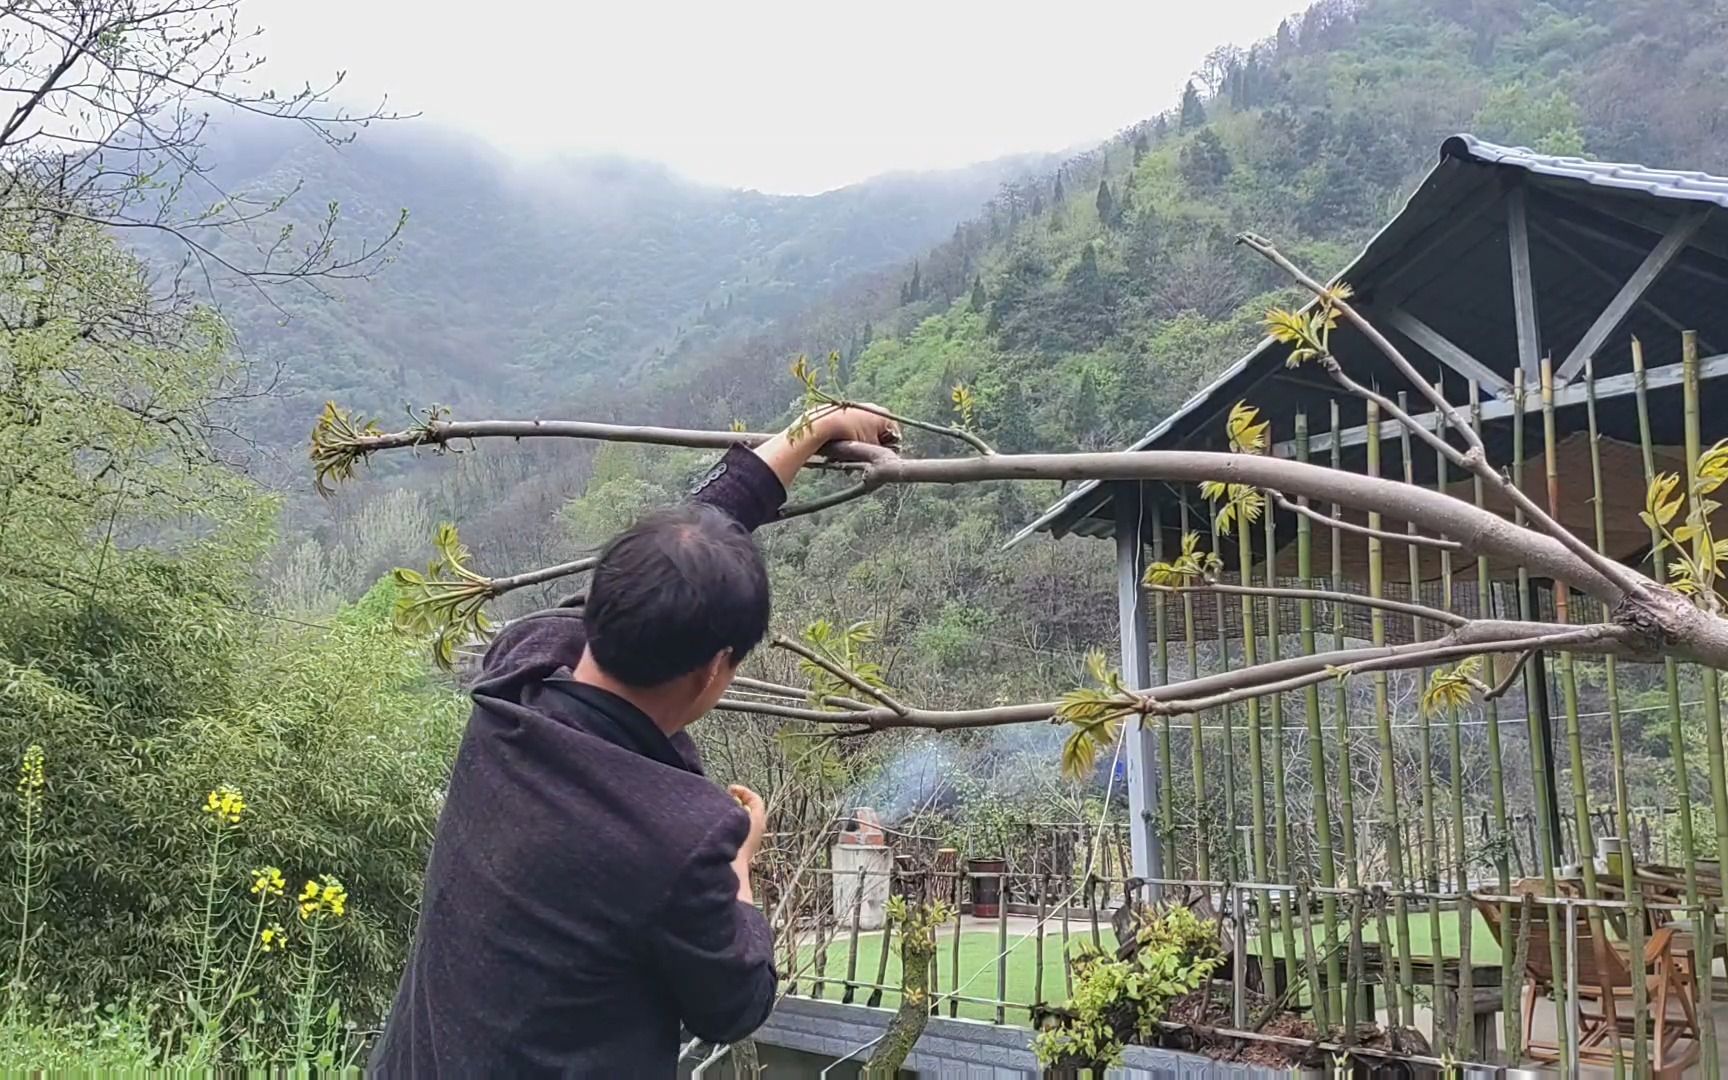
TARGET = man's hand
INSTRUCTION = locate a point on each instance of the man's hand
(835, 423)
(786, 454)
(753, 805)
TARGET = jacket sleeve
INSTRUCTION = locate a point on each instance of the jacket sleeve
(743, 486)
(714, 953)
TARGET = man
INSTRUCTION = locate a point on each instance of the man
(589, 888)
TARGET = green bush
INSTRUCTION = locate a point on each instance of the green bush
(1119, 1000)
(153, 695)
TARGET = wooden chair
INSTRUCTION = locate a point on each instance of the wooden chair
(1606, 1021)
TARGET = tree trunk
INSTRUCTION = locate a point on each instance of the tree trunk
(917, 949)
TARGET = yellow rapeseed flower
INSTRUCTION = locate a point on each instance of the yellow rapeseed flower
(327, 895)
(30, 775)
(272, 938)
(267, 881)
(225, 804)
(335, 896)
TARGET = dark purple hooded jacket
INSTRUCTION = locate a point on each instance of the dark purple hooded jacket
(580, 903)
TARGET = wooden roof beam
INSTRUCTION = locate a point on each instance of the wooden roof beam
(1658, 259)
(1614, 386)
(1444, 350)
(1558, 243)
(1690, 266)
(1523, 285)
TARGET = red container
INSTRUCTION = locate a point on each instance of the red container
(986, 875)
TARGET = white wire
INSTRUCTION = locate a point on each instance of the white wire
(1091, 863)
(850, 1054)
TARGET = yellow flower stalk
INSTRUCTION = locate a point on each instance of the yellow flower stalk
(268, 881)
(31, 777)
(225, 804)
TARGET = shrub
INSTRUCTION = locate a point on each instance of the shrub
(1118, 999)
(155, 692)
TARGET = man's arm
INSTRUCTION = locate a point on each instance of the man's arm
(750, 485)
(715, 951)
(785, 453)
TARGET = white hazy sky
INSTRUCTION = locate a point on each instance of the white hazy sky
(780, 95)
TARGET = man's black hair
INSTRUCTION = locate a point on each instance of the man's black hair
(672, 591)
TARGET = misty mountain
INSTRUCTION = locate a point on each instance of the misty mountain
(516, 286)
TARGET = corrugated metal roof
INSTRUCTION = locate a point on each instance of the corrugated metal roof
(1661, 183)
(1074, 510)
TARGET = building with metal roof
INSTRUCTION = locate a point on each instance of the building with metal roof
(1503, 261)
(1502, 257)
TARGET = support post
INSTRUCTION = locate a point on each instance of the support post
(1523, 285)
(1142, 744)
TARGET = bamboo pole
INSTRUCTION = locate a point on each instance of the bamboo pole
(1227, 722)
(1670, 670)
(851, 986)
(1002, 943)
(1463, 1025)
(1256, 750)
(1569, 690)
(1628, 859)
(1340, 694)
(1196, 731)
(1038, 943)
(1711, 677)
(954, 949)
(1280, 809)
(1316, 743)
(1546, 838)
(1390, 828)
(1161, 629)
(1712, 696)
(1440, 1030)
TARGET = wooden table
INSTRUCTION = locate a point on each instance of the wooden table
(1485, 1001)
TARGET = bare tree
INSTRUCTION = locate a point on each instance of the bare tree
(110, 105)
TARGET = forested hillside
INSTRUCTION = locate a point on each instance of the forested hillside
(515, 286)
(1080, 305)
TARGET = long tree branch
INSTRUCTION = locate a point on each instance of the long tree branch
(1478, 531)
(1438, 543)
(440, 433)
(1208, 691)
(1330, 596)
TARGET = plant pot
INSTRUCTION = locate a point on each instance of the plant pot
(986, 875)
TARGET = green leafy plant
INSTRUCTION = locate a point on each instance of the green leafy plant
(1189, 567)
(1310, 329)
(1453, 687)
(446, 603)
(1122, 998)
(1696, 556)
(1096, 714)
(842, 647)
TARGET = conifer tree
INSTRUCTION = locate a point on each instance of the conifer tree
(1193, 112)
(1106, 204)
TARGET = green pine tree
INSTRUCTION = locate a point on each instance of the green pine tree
(1193, 111)
(1106, 204)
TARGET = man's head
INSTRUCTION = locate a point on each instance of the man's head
(676, 603)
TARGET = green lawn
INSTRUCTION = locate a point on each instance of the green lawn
(979, 949)
(978, 952)
(1483, 948)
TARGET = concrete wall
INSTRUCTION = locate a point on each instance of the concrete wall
(968, 1049)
